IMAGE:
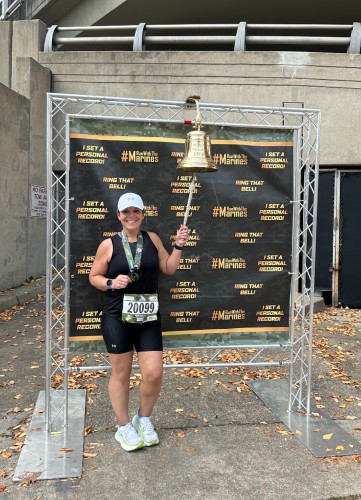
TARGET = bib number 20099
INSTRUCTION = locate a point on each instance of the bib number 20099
(139, 308)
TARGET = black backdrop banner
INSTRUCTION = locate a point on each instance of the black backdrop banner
(233, 283)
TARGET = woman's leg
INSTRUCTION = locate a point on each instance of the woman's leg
(119, 384)
(151, 369)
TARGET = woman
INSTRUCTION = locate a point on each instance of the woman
(126, 266)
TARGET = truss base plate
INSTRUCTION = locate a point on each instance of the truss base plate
(317, 431)
(56, 454)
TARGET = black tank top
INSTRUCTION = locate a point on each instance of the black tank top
(149, 271)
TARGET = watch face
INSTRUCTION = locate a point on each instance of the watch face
(109, 282)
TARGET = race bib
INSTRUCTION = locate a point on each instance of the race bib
(140, 307)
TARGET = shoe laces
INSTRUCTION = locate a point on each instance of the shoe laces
(127, 430)
(146, 424)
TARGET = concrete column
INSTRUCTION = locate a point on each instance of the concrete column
(33, 82)
(27, 41)
(5, 52)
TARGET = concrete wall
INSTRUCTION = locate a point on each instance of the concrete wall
(330, 82)
(14, 190)
(22, 151)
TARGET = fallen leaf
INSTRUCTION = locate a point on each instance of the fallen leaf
(284, 432)
(193, 415)
(14, 410)
(350, 417)
(29, 478)
(2, 487)
(6, 454)
(66, 450)
(179, 410)
(340, 447)
(19, 396)
(181, 434)
(298, 432)
(327, 436)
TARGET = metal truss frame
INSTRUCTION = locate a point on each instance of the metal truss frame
(305, 123)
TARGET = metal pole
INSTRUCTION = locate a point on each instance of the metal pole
(336, 233)
(185, 365)
(49, 257)
(149, 40)
(66, 271)
(295, 255)
(304, 252)
(313, 266)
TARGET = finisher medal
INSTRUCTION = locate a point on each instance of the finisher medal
(134, 275)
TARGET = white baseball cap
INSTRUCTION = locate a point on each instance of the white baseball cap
(130, 200)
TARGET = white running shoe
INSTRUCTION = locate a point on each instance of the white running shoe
(128, 437)
(145, 429)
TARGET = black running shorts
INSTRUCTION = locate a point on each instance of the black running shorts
(120, 337)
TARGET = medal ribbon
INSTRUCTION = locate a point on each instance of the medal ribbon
(128, 253)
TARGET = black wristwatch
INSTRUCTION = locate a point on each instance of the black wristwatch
(109, 284)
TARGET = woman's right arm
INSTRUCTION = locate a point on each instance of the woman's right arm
(98, 273)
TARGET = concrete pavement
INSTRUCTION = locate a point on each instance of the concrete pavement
(218, 440)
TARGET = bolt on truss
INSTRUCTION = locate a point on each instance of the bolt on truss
(304, 122)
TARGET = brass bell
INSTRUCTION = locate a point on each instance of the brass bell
(197, 153)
